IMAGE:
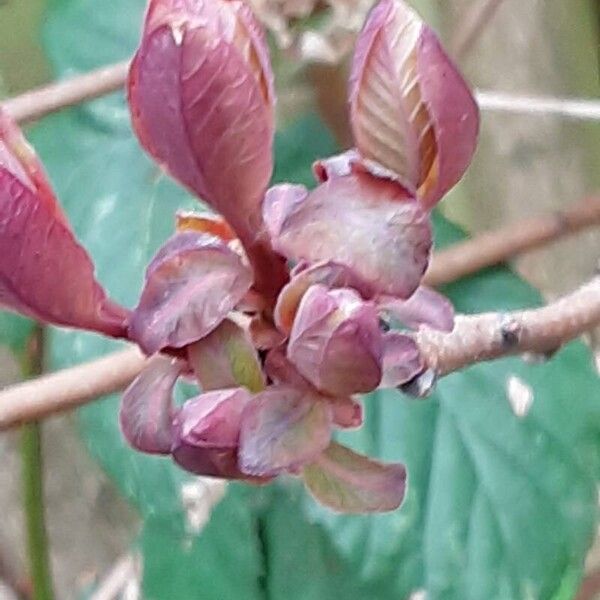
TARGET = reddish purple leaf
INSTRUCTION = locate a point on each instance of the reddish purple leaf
(424, 307)
(367, 224)
(226, 358)
(351, 483)
(146, 408)
(279, 369)
(282, 429)
(411, 110)
(330, 274)
(44, 272)
(336, 342)
(201, 96)
(194, 281)
(206, 433)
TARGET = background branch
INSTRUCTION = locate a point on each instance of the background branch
(69, 388)
(43, 101)
(500, 245)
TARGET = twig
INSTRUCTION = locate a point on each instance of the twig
(473, 25)
(539, 331)
(81, 88)
(38, 103)
(500, 245)
(474, 339)
(570, 108)
(69, 388)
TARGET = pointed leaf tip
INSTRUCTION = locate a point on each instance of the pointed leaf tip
(411, 110)
(44, 272)
(202, 103)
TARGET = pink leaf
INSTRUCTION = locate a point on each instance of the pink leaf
(367, 224)
(336, 342)
(401, 360)
(44, 272)
(411, 110)
(226, 358)
(330, 274)
(201, 96)
(424, 307)
(206, 433)
(191, 285)
(283, 428)
(351, 483)
(146, 408)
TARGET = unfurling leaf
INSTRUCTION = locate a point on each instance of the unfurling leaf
(226, 358)
(147, 406)
(349, 482)
(336, 342)
(206, 433)
(282, 429)
(411, 110)
(191, 285)
(201, 97)
(425, 307)
(367, 224)
(402, 360)
(331, 275)
(44, 272)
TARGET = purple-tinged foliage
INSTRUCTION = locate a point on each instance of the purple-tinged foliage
(146, 408)
(425, 307)
(192, 284)
(411, 111)
(336, 342)
(283, 428)
(280, 308)
(44, 272)
(368, 224)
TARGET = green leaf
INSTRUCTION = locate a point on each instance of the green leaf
(15, 331)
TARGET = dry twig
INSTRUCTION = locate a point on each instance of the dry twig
(43, 101)
(500, 245)
(474, 339)
(539, 331)
(69, 388)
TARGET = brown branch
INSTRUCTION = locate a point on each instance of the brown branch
(69, 388)
(38, 103)
(474, 24)
(539, 331)
(500, 245)
(474, 339)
